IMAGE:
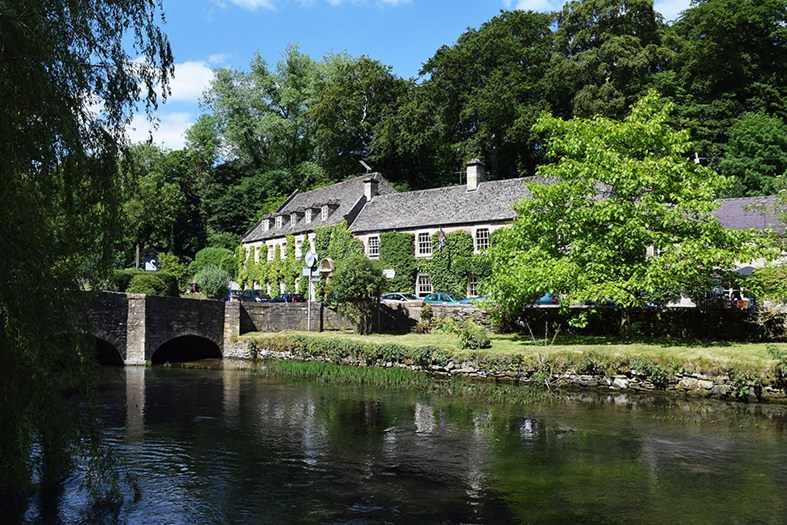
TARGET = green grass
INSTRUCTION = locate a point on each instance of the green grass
(752, 359)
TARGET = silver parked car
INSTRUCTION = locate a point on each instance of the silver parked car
(399, 298)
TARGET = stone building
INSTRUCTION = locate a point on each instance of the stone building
(371, 206)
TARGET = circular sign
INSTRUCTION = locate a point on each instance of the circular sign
(310, 259)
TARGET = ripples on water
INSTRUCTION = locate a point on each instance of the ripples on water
(223, 446)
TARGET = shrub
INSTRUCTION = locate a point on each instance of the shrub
(219, 257)
(473, 336)
(213, 282)
(149, 284)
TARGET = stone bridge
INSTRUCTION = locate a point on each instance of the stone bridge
(132, 329)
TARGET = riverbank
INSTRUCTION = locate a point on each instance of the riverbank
(745, 372)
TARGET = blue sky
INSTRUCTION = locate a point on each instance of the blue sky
(206, 34)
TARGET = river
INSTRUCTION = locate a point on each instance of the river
(225, 446)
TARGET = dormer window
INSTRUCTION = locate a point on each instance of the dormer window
(324, 212)
(278, 221)
(308, 215)
(266, 224)
(293, 219)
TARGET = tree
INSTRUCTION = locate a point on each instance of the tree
(608, 52)
(358, 283)
(756, 155)
(71, 74)
(731, 57)
(262, 115)
(488, 90)
(352, 99)
(623, 215)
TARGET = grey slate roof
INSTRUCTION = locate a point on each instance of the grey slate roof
(749, 212)
(491, 202)
(344, 198)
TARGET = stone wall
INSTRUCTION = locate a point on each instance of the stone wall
(170, 317)
(108, 315)
(681, 384)
(275, 317)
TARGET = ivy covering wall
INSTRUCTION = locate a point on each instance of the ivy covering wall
(335, 242)
(397, 252)
(451, 266)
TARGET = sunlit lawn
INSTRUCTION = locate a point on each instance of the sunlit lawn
(696, 356)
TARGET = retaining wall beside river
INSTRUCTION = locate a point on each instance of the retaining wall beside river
(685, 384)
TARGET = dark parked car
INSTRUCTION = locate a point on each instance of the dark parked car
(443, 298)
(254, 296)
(289, 298)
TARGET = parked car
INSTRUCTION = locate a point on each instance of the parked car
(399, 298)
(233, 295)
(254, 296)
(443, 298)
(473, 300)
(289, 298)
(546, 300)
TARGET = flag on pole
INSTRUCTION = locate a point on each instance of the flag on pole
(441, 241)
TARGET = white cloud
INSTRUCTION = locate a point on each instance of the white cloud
(534, 5)
(218, 58)
(253, 5)
(170, 132)
(189, 81)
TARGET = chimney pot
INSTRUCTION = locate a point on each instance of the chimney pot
(475, 174)
(370, 188)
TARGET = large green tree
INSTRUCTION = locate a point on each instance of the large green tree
(756, 155)
(488, 91)
(608, 52)
(731, 59)
(70, 74)
(623, 214)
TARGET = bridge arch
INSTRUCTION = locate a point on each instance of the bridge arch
(108, 353)
(185, 347)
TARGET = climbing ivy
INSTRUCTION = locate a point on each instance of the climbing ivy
(335, 242)
(448, 267)
(397, 252)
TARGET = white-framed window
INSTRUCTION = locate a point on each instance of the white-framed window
(324, 212)
(293, 220)
(298, 248)
(308, 216)
(256, 254)
(472, 285)
(481, 239)
(278, 221)
(373, 246)
(283, 250)
(248, 251)
(423, 284)
(266, 224)
(423, 245)
(270, 252)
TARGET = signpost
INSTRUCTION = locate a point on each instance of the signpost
(310, 271)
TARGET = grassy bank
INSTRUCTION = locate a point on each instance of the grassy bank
(583, 354)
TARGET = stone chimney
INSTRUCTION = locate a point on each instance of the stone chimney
(370, 187)
(475, 174)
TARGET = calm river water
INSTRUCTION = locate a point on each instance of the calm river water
(224, 446)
